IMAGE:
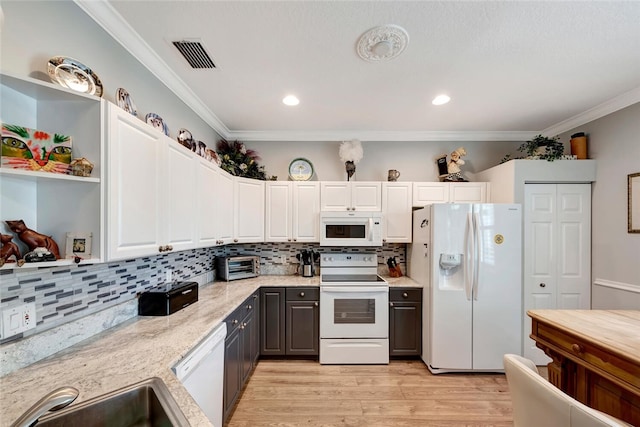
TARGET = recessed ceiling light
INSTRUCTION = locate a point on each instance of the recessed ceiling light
(290, 100)
(440, 100)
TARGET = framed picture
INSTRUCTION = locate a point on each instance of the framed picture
(633, 194)
(78, 245)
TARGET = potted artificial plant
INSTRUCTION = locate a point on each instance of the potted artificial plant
(540, 147)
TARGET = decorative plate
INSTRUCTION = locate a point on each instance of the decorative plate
(74, 75)
(156, 121)
(300, 169)
(125, 102)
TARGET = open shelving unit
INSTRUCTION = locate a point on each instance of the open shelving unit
(50, 203)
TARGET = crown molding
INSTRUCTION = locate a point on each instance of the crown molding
(112, 22)
(380, 136)
(606, 108)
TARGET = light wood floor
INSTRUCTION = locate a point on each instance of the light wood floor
(304, 393)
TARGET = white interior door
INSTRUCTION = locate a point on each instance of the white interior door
(557, 254)
(539, 259)
(573, 268)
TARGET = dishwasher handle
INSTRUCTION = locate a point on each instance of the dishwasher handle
(200, 351)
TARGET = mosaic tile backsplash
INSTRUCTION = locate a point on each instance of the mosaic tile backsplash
(65, 294)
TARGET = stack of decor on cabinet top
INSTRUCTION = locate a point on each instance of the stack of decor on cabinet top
(240, 161)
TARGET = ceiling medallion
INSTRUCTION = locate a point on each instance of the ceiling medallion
(382, 43)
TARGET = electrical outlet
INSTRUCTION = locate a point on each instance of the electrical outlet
(168, 276)
(17, 319)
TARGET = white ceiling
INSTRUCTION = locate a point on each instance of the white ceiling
(512, 69)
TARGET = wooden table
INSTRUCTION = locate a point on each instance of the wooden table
(595, 357)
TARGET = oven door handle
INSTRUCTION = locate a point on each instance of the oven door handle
(354, 289)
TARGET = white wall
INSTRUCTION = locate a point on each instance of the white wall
(34, 31)
(614, 142)
(414, 160)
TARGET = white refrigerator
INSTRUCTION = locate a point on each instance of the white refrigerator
(468, 257)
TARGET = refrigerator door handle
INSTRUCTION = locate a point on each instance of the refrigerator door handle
(477, 250)
(468, 258)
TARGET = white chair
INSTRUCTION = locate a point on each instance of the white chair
(537, 402)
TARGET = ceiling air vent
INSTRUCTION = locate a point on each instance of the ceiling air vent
(195, 54)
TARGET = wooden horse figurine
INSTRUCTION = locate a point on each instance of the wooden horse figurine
(32, 238)
(9, 249)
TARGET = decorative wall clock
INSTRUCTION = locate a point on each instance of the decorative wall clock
(300, 169)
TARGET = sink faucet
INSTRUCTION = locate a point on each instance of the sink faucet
(57, 399)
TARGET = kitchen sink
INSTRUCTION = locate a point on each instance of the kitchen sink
(144, 404)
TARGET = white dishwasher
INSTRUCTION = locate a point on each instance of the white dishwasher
(202, 374)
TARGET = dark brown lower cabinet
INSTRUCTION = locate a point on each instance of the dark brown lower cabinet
(272, 322)
(242, 349)
(405, 322)
(290, 321)
(302, 322)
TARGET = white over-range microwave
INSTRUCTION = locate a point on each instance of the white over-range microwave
(350, 228)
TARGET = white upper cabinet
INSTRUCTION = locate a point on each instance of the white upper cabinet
(249, 211)
(52, 203)
(350, 195)
(396, 210)
(207, 202)
(425, 193)
(135, 162)
(306, 212)
(292, 211)
(468, 192)
(180, 187)
(278, 211)
(225, 205)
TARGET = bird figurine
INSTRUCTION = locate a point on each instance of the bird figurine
(350, 153)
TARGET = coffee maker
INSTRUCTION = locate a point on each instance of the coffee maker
(308, 260)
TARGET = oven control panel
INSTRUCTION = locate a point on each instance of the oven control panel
(349, 260)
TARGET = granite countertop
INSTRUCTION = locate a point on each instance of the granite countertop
(138, 349)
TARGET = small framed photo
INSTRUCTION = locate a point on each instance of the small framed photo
(78, 245)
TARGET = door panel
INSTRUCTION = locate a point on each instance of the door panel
(497, 295)
(574, 247)
(450, 309)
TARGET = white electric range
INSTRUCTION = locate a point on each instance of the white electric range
(354, 310)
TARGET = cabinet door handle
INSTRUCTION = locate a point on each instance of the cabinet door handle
(405, 295)
(295, 240)
(161, 248)
(169, 248)
(390, 304)
(542, 285)
(234, 322)
(577, 348)
(301, 294)
(235, 240)
(249, 307)
(315, 303)
(255, 297)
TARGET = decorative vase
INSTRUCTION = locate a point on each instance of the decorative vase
(579, 145)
